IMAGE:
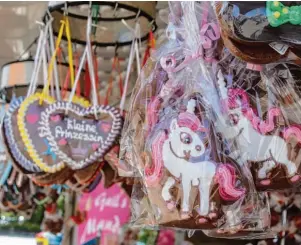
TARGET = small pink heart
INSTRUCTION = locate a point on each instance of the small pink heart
(55, 118)
(95, 146)
(32, 119)
(106, 127)
(62, 141)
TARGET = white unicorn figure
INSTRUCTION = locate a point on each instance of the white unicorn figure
(176, 152)
(247, 130)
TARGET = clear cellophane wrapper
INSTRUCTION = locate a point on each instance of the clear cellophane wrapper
(261, 119)
(261, 23)
(160, 199)
(188, 181)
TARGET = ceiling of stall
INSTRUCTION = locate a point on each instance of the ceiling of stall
(18, 27)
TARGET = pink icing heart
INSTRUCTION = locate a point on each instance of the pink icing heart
(106, 127)
(62, 141)
(55, 118)
(95, 146)
(32, 118)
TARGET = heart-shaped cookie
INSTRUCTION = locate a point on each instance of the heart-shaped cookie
(14, 141)
(5, 163)
(79, 138)
(38, 146)
(5, 159)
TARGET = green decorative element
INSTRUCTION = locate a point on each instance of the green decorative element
(279, 14)
(95, 14)
(147, 237)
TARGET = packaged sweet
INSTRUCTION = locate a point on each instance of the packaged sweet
(260, 32)
(258, 122)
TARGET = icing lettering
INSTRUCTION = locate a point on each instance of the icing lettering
(103, 201)
(59, 132)
(73, 124)
(92, 227)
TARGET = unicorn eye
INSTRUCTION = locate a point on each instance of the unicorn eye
(186, 138)
(234, 118)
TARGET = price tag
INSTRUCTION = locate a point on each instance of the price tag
(279, 47)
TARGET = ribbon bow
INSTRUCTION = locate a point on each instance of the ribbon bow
(209, 35)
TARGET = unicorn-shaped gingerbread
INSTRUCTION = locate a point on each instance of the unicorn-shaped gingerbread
(250, 134)
(182, 152)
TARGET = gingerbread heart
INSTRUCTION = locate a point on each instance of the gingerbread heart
(14, 142)
(79, 138)
(37, 145)
(5, 159)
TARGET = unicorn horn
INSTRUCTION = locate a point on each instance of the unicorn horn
(222, 85)
(191, 106)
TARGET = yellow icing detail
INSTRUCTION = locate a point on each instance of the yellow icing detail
(24, 134)
(276, 14)
(285, 10)
(276, 3)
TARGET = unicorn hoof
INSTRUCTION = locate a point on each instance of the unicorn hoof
(212, 215)
(185, 215)
(171, 205)
(265, 182)
(295, 178)
(202, 220)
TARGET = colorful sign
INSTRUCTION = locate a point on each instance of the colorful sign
(107, 210)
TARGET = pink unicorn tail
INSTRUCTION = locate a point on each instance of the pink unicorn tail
(292, 131)
(153, 173)
(225, 176)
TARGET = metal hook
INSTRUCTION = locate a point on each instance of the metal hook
(151, 25)
(116, 49)
(49, 15)
(90, 9)
(95, 48)
(66, 8)
(115, 9)
(137, 15)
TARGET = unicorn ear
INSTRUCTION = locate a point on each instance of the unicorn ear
(174, 125)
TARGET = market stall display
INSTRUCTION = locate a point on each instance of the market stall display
(142, 134)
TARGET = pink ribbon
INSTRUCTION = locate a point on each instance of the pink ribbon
(208, 35)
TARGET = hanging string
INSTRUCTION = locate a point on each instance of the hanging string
(95, 63)
(55, 69)
(64, 25)
(53, 58)
(44, 57)
(38, 59)
(90, 64)
(70, 53)
(45, 62)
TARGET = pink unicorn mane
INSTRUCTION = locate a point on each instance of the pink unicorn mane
(262, 126)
